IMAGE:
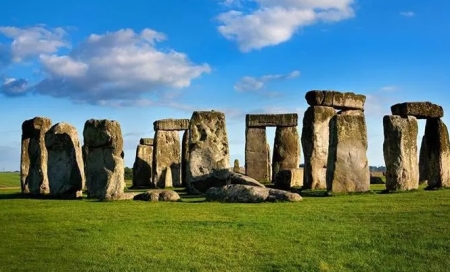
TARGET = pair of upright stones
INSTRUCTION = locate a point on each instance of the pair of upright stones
(400, 147)
(334, 140)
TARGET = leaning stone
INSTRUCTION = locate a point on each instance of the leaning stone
(423, 162)
(166, 154)
(256, 160)
(420, 110)
(104, 166)
(337, 100)
(288, 178)
(272, 120)
(146, 141)
(438, 153)
(159, 195)
(171, 124)
(65, 161)
(34, 156)
(286, 150)
(315, 142)
(249, 194)
(348, 168)
(142, 167)
(208, 144)
(400, 153)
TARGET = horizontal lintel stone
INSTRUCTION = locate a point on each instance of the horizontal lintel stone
(272, 120)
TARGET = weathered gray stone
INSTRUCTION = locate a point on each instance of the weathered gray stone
(171, 124)
(142, 167)
(400, 152)
(166, 154)
(185, 158)
(221, 178)
(159, 195)
(272, 120)
(256, 160)
(289, 178)
(337, 100)
(348, 168)
(438, 153)
(236, 167)
(146, 141)
(168, 180)
(104, 166)
(423, 162)
(315, 143)
(249, 194)
(420, 110)
(34, 156)
(208, 144)
(65, 161)
(286, 150)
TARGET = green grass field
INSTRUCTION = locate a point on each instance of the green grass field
(360, 232)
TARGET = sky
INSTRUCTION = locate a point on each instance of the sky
(138, 61)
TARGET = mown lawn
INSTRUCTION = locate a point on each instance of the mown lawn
(365, 232)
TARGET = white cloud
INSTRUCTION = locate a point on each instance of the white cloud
(32, 41)
(408, 13)
(14, 87)
(275, 21)
(248, 83)
(391, 88)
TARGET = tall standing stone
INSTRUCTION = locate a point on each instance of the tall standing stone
(348, 167)
(104, 166)
(166, 153)
(286, 150)
(423, 162)
(142, 167)
(315, 142)
(208, 144)
(185, 158)
(400, 152)
(256, 160)
(65, 161)
(438, 153)
(34, 156)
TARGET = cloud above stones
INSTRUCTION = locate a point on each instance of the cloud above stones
(257, 84)
(272, 22)
(407, 13)
(14, 87)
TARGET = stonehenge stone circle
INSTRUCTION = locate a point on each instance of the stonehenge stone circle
(143, 163)
(286, 150)
(166, 154)
(65, 161)
(34, 156)
(315, 143)
(104, 166)
(337, 100)
(420, 110)
(400, 152)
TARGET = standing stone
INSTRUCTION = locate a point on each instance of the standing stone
(438, 153)
(288, 178)
(33, 161)
(167, 153)
(236, 167)
(348, 168)
(269, 165)
(104, 166)
(286, 150)
(315, 142)
(142, 167)
(208, 144)
(65, 161)
(256, 160)
(185, 158)
(400, 152)
(423, 162)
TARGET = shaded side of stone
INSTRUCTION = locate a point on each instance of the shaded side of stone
(142, 167)
(34, 156)
(315, 142)
(171, 124)
(272, 120)
(286, 150)
(423, 162)
(288, 178)
(348, 168)
(185, 158)
(256, 160)
(166, 154)
(420, 110)
(400, 153)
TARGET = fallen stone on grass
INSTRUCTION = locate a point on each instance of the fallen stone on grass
(158, 195)
(237, 193)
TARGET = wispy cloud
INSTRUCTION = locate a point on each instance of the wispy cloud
(14, 87)
(252, 84)
(407, 13)
(391, 88)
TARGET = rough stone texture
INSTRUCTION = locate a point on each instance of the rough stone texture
(171, 124)
(437, 153)
(142, 167)
(249, 194)
(289, 178)
(208, 144)
(423, 162)
(33, 161)
(168, 180)
(104, 165)
(146, 141)
(158, 195)
(185, 158)
(166, 154)
(221, 178)
(315, 143)
(400, 152)
(348, 168)
(65, 161)
(256, 160)
(286, 149)
(420, 110)
(272, 120)
(236, 167)
(337, 100)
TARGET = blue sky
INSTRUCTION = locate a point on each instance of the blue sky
(139, 61)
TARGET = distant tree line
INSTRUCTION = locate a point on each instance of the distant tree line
(128, 173)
